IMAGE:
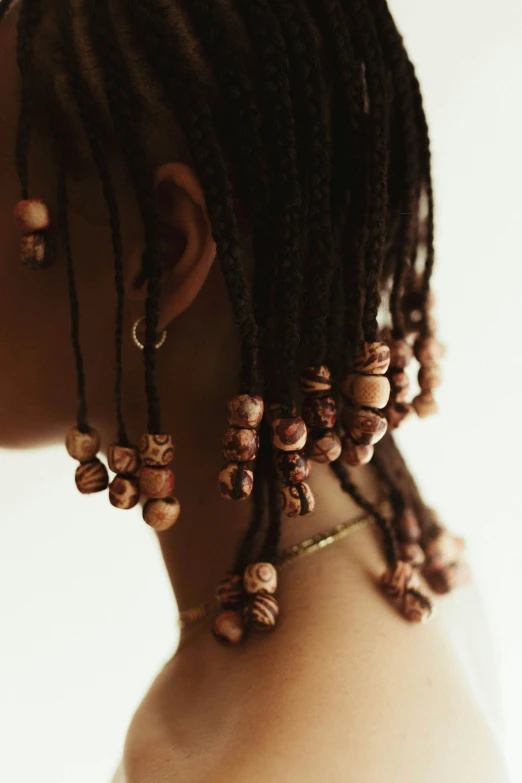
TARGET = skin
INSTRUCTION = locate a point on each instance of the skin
(365, 695)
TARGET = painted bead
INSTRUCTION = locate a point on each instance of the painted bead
(412, 553)
(430, 377)
(326, 448)
(398, 578)
(230, 591)
(372, 358)
(35, 251)
(297, 500)
(428, 350)
(316, 381)
(319, 413)
(156, 482)
(408, 527)
(401, 354)
(31, 216)
(124, 492)
(123, 459)
(229, 627)
(292, 466)
(355, 454)
(397, 412)
(82, 446)
(263, 611)
(400, 385)
(240, 445)
(91, 477)
(372, 391)
(161, 514)
(417, 607)
(260, 577)
(156, 450)
(235, 481)
(245, 410)
(425, 405)
(365, 426)
(289, 434)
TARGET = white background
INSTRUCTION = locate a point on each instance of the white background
(85, 613)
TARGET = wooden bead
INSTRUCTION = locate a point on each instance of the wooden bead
(428, 350)
(82, 446)
(35, 251)
(229, 627)
(326, 448)
(156, 482)
(399, 578)
(260, 577)
(319, 413)
(413, 554)
(400, 385)
(372, 391)
(289, 434)
(397, 412)
(430, 377)
(156, 450)
(417, 607)
(408, 527)
(123, 459)
(372, 358)
(31, 216)
(235, 481)
(91, 477)
(245, 410)
(161, 514)
(443, 550)
(365, 426)
(316, 381)
(240, 445)
(425, 405)
(262, 612)
(292, 467)
(401, 354)
(297, 500)
(355, 454)
(124, 492)
(230, 591)
(444, 580)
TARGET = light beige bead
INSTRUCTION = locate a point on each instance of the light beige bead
(425, 405)
(398, 578)
(156, 450)
(235, 481)
(35, 251)
(161, 514)
(124, 492)
(123, 459)
(245, 410)
(326, 448)
(417, 607)
(31, 216)
(428, 350)
(413, 554)
(372, 391)
(263, 612)
(260, 577)
(240, 445)
(156, 482)
(356, 455)
(229, 627)
(365, 426)
(289, 434)
(297, 500)
(82, 446)
(430, 377)
(372, 358)
(316, 381)
(91, 477)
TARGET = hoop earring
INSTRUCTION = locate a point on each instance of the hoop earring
(137, 341)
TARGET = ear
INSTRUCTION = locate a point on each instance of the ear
(188, 249)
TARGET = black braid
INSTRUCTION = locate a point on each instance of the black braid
(28, 23)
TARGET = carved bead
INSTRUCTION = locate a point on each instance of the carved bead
(398, 578)
(372, 391)
(260, 577)
(397, 412)
(91, 477)
(428, 350)
(316, 381)
(408, 527)
(245, 410)
(417, 607)
(230, 591)
(123, 459)
(413, 554)
(425, 405)
(240, 445)
(35, 251)
(229, 627)
(365, 426)
(355, 454)
(289, 434)
(31, 216)
(325, 449)
(235, 481)
(292, 467)
(263, 611)
(161, 514)
(156, 482)
(400, 385)
(372, 358)
(156, 450)
(297, 500)
(124, 492)
(319, 413)
(401, 354)
(82, 446)
(430, 377)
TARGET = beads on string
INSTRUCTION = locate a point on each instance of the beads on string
(157, 480)
(399, 408)
(124, 492)
(320, 415)
(33, 220)
(428, 352)
(288, 439)
(236, 481)
(240, 446)
(261, 608)
(91, 475)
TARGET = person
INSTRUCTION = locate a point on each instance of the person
(244, 187)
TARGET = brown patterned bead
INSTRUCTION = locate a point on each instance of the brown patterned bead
(417, 607)
(289, 434)
(245, 410)
(372, 391)
(235, 481)
(156, 450)
(123, 459)
(365, 426)
(156, 482)
(32, 215)
(425, 405)
(263, 611)
(355, 454)
(240, 445)
(162, 513)
(230, 591)
(292, 466)
(413, 554)
(35, 251)
(260, 577)
(229, 627)
(401, 354)
(297, 500)
(316, 381)
(91, 477)
(326, 448)
(428, 350)
(372, 358)
(408, 527)
(124, 492)
(397, 412)
(82, 446)
(400, 385)
(430, 377)
(399, 578)
(319, 413)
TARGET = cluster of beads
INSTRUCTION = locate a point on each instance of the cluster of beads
(320, 415)
(240, 446)
(157, 481)
(428, 352)
(289, 437)
(33, 219)
(125, 461)
(409, 536)
(91, 474)
(398, 408)
(401, 582)
(366, 391)
(247, 602)
(445, 568)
